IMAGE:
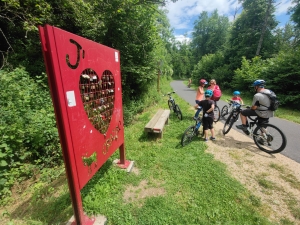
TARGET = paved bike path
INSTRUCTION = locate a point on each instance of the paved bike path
(290, 129)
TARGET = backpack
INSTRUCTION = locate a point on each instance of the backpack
(217, 93)
(274, 102)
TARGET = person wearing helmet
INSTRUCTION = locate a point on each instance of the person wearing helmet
(199, 96)
(200, 90)
(208, 106)
(259, 105)
(236, 97)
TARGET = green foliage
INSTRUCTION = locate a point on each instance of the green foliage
(210, 34)
(211, 66)
(286, 67)
(247, 30)
(181, 60)
(250, 71)
(27, 127)
(295, 13)
(281, 74)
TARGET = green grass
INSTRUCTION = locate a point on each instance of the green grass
(196, 188)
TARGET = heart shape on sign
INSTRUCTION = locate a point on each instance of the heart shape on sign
(98, 97)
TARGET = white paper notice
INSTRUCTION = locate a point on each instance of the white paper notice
(117, 56)
(71, 98)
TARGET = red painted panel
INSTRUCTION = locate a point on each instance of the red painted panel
(85, 84)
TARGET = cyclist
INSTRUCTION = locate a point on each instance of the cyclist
(236, 97)
(199, 96)
(190, 82)
(259, 106)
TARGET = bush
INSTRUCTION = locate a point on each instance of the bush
(250, 71)
(281, 74)
(283, 77)
(27, 126)
(212, 66)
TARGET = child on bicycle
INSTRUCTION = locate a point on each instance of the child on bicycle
(199, 96)
(236, 97)
(208, 106)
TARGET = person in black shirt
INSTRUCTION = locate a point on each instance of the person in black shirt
(208, 106)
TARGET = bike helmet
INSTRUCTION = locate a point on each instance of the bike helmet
(260, 83)
(208, 93)
(202, 81)
(236, 93)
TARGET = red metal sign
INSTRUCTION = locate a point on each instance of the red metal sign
(85, 84)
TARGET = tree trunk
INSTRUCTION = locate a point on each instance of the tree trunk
(264, 28)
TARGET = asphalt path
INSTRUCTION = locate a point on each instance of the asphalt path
(290, 129)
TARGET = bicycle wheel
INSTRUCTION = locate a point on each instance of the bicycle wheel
(216, 114)
(178, 112)
(188, 135)
(228, 124)
(224, 111)
(170, 104)
(269, 138)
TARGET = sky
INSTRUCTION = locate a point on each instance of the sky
(183, 13)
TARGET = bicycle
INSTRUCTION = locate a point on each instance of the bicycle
(173, 106)
(267, 137)
(226, 110)
(191, 132)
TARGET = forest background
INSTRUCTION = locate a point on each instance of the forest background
(234, 53)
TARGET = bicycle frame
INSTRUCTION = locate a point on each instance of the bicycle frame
(173, 106)
(172, 100)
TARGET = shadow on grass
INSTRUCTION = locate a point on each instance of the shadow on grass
(44, 207)
(53, 207)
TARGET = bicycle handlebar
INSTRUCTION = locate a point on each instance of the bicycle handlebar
(169, 93)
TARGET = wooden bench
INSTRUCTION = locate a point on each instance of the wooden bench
(158, 121)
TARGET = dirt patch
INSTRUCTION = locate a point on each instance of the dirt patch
(142, 191)
(273, 179)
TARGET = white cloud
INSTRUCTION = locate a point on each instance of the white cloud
(282, 7)
(183, 13)
(182, 38)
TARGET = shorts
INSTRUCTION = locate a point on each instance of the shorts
(207, 123)
(248, 112)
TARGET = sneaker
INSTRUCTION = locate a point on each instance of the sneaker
(212, 138)
(205, 139)
(241, 127)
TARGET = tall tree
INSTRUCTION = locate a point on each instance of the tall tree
(295, 12)
(264, 26)
(209, 35)
(251, 32)
(287, 37)
(182, 60)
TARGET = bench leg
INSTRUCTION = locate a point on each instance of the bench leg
(167, 121)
